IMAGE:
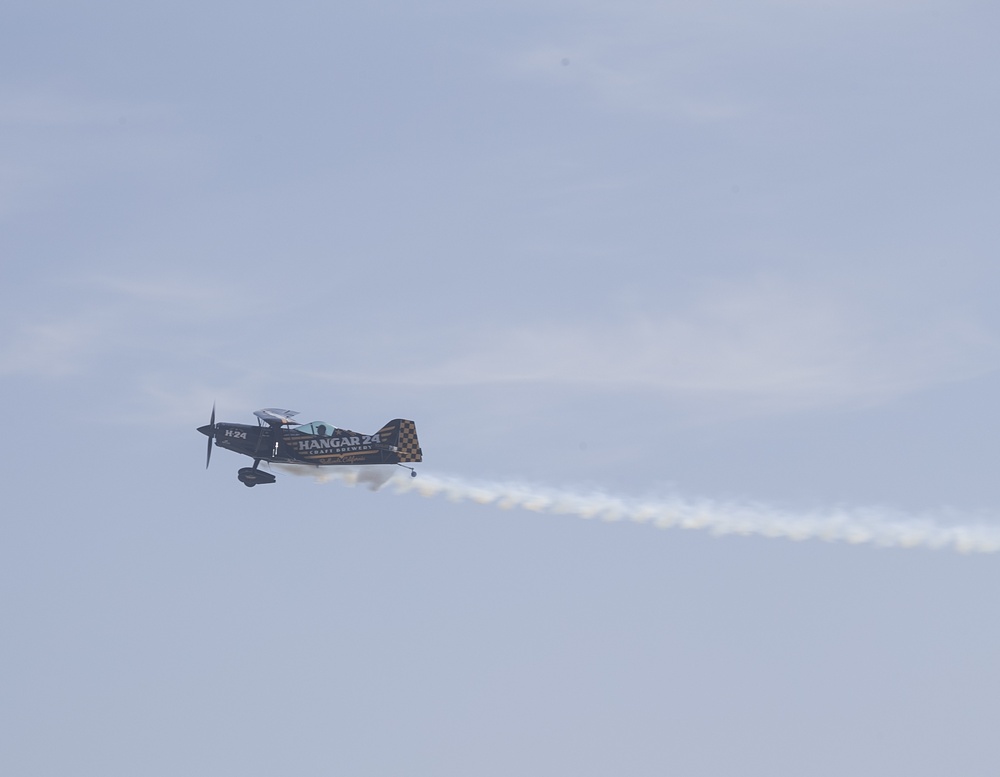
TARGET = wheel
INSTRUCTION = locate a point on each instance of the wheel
(249, 483)
(413, 473)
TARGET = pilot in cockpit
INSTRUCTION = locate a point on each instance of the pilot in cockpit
(321, 430)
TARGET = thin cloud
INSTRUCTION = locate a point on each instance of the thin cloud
(688, 60)
(764, 342)
(645, 81)
(55, 348)
(58, 141)
(157, 289)
(34, 108)
(169, 400)
(170, 296)
(152, 316)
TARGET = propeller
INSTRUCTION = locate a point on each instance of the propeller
(209, 432)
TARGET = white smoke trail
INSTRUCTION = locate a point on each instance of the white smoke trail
(860, 525)
(374, 477)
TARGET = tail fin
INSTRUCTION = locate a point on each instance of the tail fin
(402, 435)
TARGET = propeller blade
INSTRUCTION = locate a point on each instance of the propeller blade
(211, 437)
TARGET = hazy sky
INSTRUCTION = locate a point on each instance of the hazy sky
(740, 251)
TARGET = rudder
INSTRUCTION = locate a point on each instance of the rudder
(401, 434)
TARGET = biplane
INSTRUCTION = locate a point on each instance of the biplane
(277, 438)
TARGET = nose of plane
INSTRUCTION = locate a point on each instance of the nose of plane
(206, 430)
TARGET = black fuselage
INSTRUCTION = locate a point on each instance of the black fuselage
(273, 443)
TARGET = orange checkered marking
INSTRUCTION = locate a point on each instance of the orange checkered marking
(408, 445)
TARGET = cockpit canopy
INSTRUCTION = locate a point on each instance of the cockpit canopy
(320, 428)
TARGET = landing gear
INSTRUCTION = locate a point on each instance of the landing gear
(413, 472)
(251, 476)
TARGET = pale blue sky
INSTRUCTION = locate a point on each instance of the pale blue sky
(739, 251)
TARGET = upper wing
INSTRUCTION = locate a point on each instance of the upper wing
(275, 416)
